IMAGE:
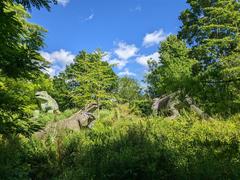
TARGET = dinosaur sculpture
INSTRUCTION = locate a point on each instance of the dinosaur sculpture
(46, 102)
(169, 103)
(83, 118)
(166, 102)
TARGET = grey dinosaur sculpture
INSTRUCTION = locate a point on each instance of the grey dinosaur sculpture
(83, 118)
(46, 102)
(170, 102)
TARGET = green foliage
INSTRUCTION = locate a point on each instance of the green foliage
(211, 28)
(21, 67)
(11, 157)
(173, 70)
(20, 42)
(142, 106)
(130, 93)
(129, 148)
(17, 102)
(209, 69)
(87, 79)
(36, 3)
(62, 93)
(128, 89)
(123, 145)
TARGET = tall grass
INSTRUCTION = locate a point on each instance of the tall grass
(124, 146)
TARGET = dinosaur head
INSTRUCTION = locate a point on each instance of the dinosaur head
(42, 96)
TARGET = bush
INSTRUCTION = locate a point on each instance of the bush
(12, 160)
(156, 148)
(142, 107)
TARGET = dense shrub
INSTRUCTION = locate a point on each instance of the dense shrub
(12, 160)
(130, 149)
(142, 107)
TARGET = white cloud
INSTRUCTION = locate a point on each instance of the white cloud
(136, 9)
(58, 59)
(121, 54)
(90, 17)
(154, 38)
(119, 63)
(62, 56)
(125, 51)
(63, 2)
(50, 71)
(54, 70)
(143, 60)
(126, 72)
(107, 56)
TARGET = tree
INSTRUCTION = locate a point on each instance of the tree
(211, 28)
(36, 3)
(21, 68)
(87, 79)
(128, 89)
(20, 42)
(62, 93)
(173, 71)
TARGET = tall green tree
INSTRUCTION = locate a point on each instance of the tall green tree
(173, 70)
(62, 93)
(21, 68)
(128, 89)
(87, 79)
(20, 42)
(211, 28)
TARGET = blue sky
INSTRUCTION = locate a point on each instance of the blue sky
(129, 31)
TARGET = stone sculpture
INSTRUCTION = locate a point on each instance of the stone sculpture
(169, 103)
(83, 118)
(46, 102)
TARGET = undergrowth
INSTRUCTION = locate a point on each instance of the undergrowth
(125, 146)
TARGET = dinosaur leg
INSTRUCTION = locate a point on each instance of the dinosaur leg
(155, 107)
(50, 111)
(175, 113)
(91, 120)
(196, 109)
(91, 124)
(201, 113)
